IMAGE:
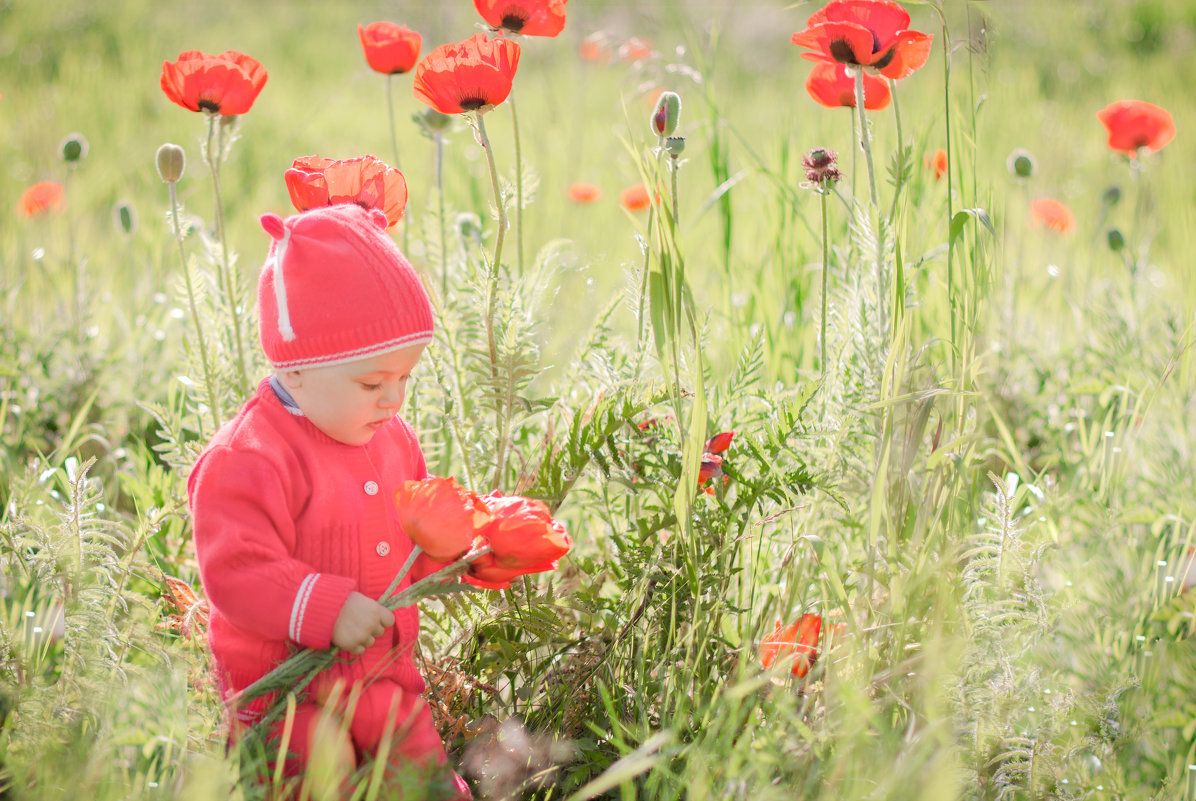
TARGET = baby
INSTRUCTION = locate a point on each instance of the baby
(292, 500)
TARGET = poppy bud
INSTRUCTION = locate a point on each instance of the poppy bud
(172, 160)
(666, 114)
(126, 217)
(469, 226)
(73, 148)
(1021, 164)
(1111, 196)
(674, 145)
(1116, 240)
(820, 166)
(432, 123)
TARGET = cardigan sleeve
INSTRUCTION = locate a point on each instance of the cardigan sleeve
(244, 538)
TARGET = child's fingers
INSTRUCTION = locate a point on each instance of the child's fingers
(387, 618)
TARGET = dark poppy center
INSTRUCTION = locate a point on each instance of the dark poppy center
(513, 21)
(472, 103)
(208, 104)
(841, 51)
(884, 60)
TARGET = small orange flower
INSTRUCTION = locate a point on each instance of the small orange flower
(830, 85)
(799, 640)
(636, 49)
(528, 17)
(635, 198)
(389, 48)
(937, 162)
(582, 192)
(1050, 213)
(440, 516)
(367, 181)
(41, 198)
(596, 47)
(226, 84)
(473, 75)
(1134, 124)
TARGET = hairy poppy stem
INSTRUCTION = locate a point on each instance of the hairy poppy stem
(826, 263)
(866, 146)
(518, 185)
(901, 162)
(440, 214)
(209, 380)
(230, 298)
(394, 141)
(491, 299)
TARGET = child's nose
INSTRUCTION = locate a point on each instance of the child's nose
(392, 395)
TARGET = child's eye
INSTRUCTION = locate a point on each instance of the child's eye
(371, 387)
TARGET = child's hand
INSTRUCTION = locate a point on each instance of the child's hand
(359, 623)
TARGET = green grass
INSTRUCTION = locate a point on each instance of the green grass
(999, 512)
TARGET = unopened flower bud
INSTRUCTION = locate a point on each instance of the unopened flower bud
(1021, 164)
(172, 160)
(73, 148)
(469, 225)
(431, 122)
(126, 217)
(674, 145)
(820, 166)
(666, 114)
(1116, 240)
(1111, 196)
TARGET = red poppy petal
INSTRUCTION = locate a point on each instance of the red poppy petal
(885, 19)
(844, 42)
(909, 54)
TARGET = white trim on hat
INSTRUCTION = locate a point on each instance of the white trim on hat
(280, 289)
(357, 354)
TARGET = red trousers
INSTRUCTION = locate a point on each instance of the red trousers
(380, 707)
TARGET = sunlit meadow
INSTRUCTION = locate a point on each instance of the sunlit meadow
(947, 552)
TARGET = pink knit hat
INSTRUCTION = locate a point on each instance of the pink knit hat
(335, 288)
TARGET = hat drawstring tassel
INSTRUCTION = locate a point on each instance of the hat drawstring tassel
(280, 289)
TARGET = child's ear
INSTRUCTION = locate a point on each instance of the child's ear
(291, 379)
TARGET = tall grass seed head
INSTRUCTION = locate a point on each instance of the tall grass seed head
(172, 161)
(1021, 164)
(820, 166)
(667, 114)
(74, 148)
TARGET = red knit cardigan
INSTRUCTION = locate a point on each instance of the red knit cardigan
(287, 523)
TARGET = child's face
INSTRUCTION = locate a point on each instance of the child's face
(350, 402)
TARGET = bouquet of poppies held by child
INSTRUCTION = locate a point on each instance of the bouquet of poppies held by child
(486, 540)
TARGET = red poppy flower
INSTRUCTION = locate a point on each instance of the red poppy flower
(719, 442)
(937, 162)
(366, 181)
(635, 198)
(582, 192)
(473, 75)
(528, 17)
(226, 84)
(42, 197)
(440, 516)
(799, 640)
(523, 538)
(830, 85)
(1050, 213)
(389, 48)
(1134, 124)
(866, 33)
(712, 467)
